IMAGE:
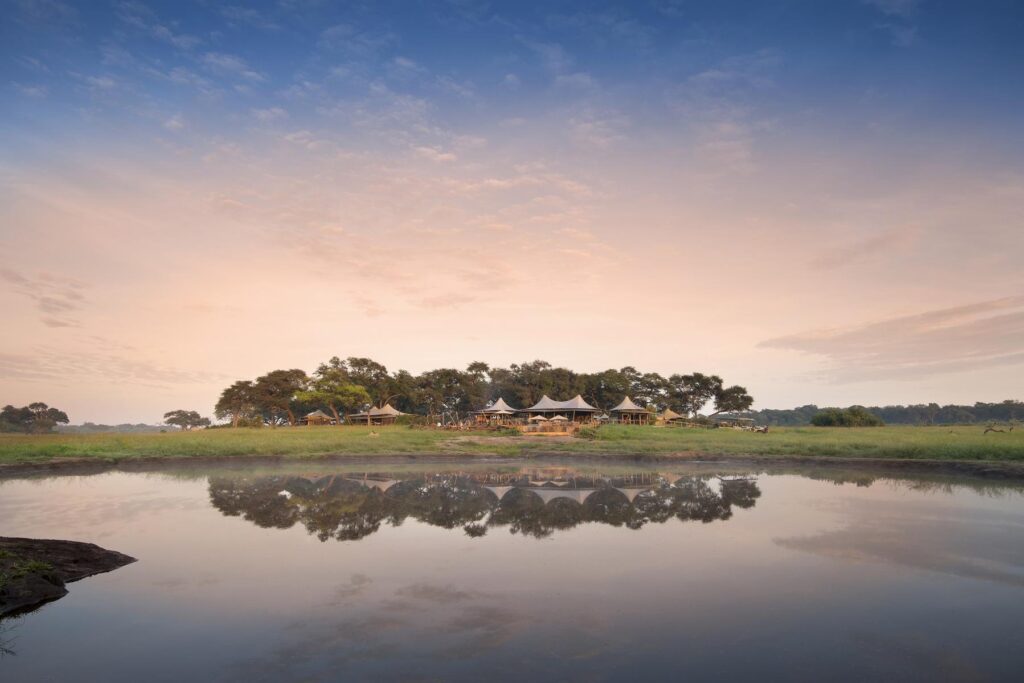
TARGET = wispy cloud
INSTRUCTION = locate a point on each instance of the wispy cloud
(890, 242)
(974, 336)
(230, 65)
(58, 298)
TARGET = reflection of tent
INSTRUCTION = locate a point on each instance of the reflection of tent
(377, 416)
(628, 412)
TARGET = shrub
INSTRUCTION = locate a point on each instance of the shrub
(589, 433)
(854, 416)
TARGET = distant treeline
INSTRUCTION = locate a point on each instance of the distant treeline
(344, 386)
(922, 414)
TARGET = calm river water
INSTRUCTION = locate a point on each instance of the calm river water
(550, 571)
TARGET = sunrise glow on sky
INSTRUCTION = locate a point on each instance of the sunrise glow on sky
(821, 201)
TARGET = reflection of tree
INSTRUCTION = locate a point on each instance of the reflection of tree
(349, 508)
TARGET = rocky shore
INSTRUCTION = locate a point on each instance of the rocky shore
(35, 571)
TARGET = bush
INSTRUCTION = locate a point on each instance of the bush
(589, 433)
(508, 431)
(854, 416)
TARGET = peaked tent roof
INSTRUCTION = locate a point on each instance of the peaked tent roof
(386, 410)
(318, 413)
(670, 414)
(545, 403)
(627, 406)
(577, 404)
(497, 407)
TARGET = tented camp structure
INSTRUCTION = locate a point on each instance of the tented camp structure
(670, 416)
(318, 417)
(575, 409)
(376, 416)
(498, 412)
(628, 412)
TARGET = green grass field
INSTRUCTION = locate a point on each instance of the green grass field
(937, 443)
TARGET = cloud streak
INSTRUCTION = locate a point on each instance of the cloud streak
(975, 336)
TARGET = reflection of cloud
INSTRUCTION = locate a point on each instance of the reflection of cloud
(968, 543)
(984, 334)
(433, 593)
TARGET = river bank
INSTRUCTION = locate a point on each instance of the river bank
(939, 443)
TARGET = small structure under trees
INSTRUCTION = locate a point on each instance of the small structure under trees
(317, 417)
(498, 413)
(575, 409)
(384, 415)
(628, 412)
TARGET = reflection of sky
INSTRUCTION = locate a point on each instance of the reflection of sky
(849, 581)
(392, 172)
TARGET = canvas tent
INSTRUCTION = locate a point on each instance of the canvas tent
(376, 416)
(318, 417)
(628, 412)
(498, 412)
(575, 409)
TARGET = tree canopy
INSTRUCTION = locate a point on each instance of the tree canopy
(348, 385)
(35, 418)
(186, 419)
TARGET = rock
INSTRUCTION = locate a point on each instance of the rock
(34, 571)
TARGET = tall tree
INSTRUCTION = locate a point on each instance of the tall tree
(734, 399)
(186, 419)
(274, 392)
(332, 388)
(688, 394)
(237, 401)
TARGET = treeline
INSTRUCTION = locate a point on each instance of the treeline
(344, 386)
(922, 414)
(35, 418)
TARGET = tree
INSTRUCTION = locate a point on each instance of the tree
(274, 392)
(372, 376)
(331, 387)
(854, 416)
(186, 419)
(237, 401)
(688, 394)
(34, 418)
(734, 399)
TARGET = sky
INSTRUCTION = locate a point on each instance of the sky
(820, 201)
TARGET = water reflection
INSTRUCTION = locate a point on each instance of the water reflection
(530, 502)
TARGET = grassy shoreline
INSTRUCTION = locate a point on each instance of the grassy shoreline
(964, 443)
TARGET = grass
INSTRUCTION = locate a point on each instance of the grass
(901, 442)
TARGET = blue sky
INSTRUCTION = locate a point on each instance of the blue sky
(794, 176)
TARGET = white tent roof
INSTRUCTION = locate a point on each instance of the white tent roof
(547, 404)
(627, 406)
(497, 407)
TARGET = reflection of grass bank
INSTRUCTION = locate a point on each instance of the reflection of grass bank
(933, 443)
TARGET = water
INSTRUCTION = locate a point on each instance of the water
(552, 571)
